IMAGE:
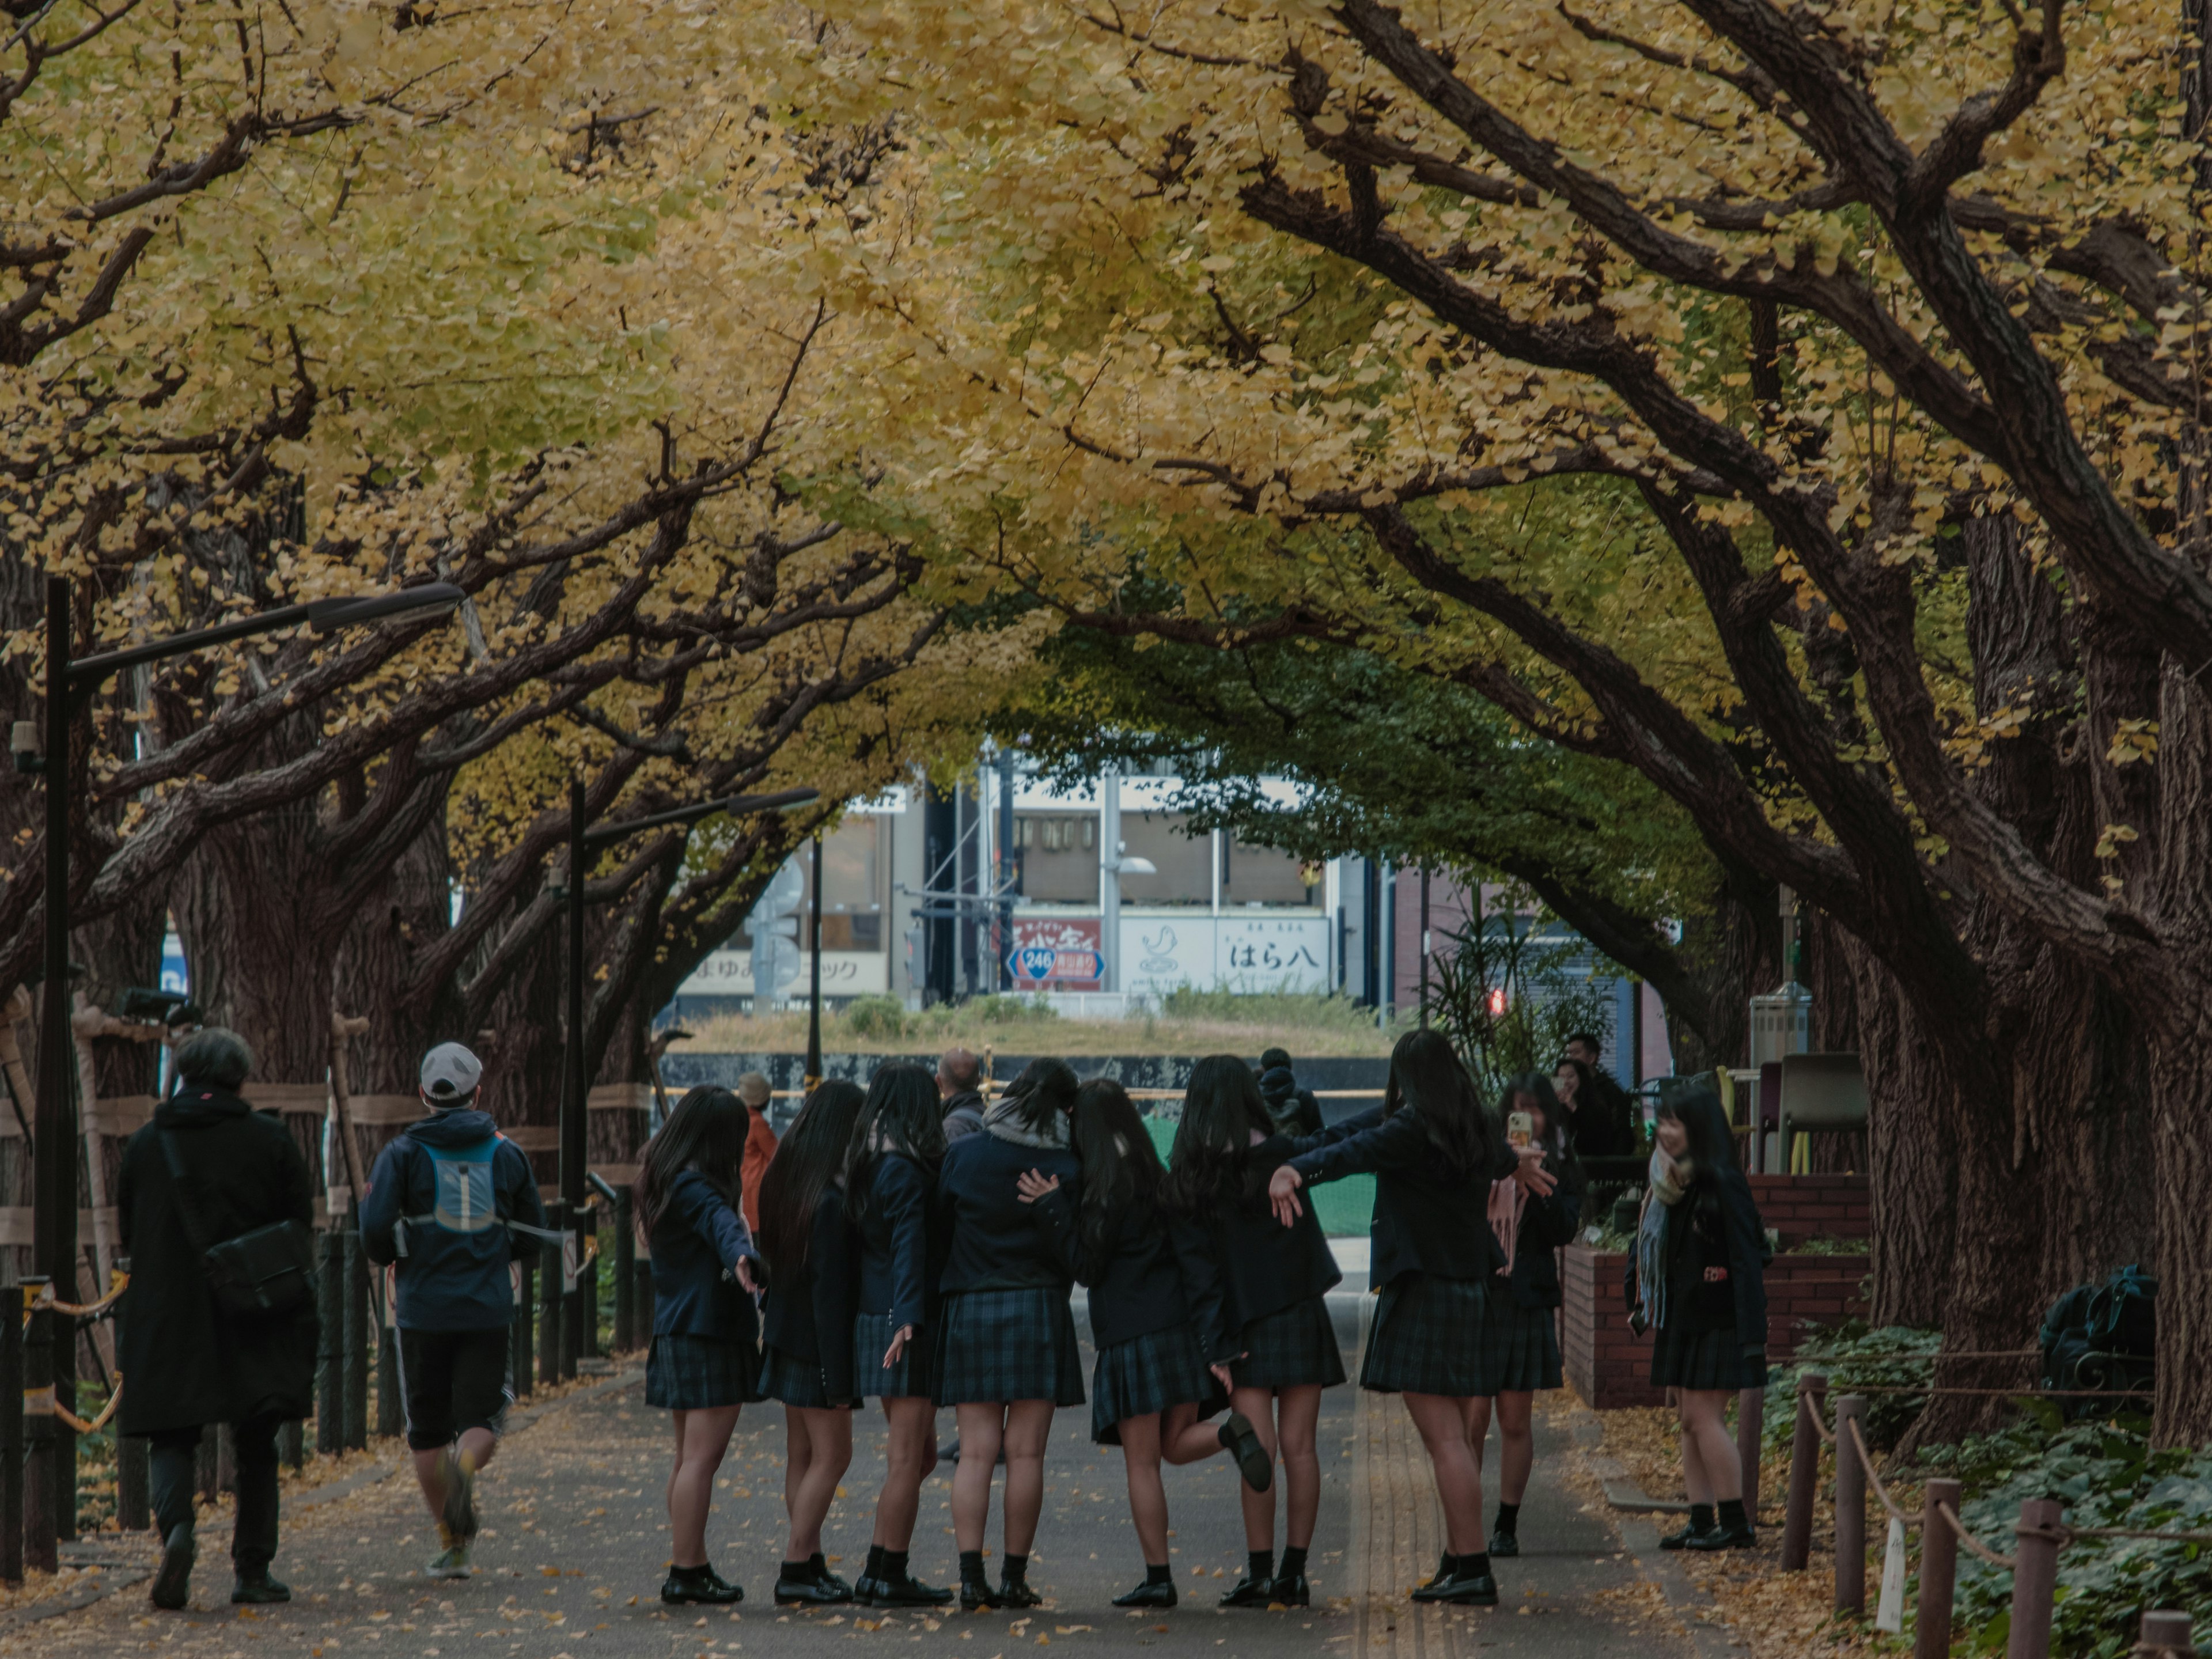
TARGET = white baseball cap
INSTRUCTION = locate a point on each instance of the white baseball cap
(451, 1072)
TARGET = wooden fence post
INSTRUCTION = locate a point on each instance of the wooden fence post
(2035, 1579)
(1804, 1473)
(11, 1442)
(356, 1340)
(1851, 1509)
(1750, 1422)
(625, 1276)
(518, 1341)
(2165, 1636)
(549, 1315)
(329, 1371)
(1939, 1570)
(42, 1498)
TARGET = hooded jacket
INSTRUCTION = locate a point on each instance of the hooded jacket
(964, 1113)
(451, 1277)
(995, 1242)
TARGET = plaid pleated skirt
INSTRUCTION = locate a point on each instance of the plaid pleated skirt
(1002, 1346)
(913, 1377)
(1144, 1375)
(796, 1382)
(1520, 1345)
(1682, 1358)
(1293, 1347)
(700, 1373)
(1427, 1337)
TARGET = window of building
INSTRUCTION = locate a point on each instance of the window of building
(1265, 875)
(1180, 858)
(1056, 857)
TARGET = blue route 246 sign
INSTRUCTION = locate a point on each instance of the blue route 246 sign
(1039, 963)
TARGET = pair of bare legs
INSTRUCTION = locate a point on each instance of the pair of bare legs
(1284, 1421)
(909, 1454)
(1021, 1428)
(1712, 1472)
(1515, 1410)
(702, 1439)
(1175, 1437)
(1447, 1427)
(476, 1447)
(818, 1450)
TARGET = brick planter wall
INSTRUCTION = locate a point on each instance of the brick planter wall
(1610, 1365)
(1815, 1206)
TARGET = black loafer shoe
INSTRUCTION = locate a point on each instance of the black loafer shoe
(1472, 1589)
(173, 1584)
(1242, 1443)
(1504, 1544)
(1725, 1538)
(1679, 1540)
(1016, 1593)
(1149, 1595)
(1291, 1589)
(258, 1590)
(905, 1592)
(706, 1587)
(809, 1593)
(975, 1597)
(1249, 1592)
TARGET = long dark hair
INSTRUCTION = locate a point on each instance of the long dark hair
(1221, 1108)
(1043, 1094)
(1427, 1078)
(706, 1132)
(901, 1114)
(811, 1155)
(1557, 1142)
(1121, 1165)
(1712, 1143)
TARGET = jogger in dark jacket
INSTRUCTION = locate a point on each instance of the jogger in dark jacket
(1163, 1348)
(807, 1362)
(452, 1203)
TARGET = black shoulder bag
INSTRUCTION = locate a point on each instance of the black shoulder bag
(257, 1275)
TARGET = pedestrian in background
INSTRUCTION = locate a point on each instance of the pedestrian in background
(1277, 1281)
(1434, 1153)
(758, 1094)
(1611, 1099)
(704, 1362)
(1595, 1135)
(1293, 1110)
(1520, 1336)
(208, 1169)
(451, 1204)
(891, 1197)
(1163, 1348)
(960, 1085)
(1010, 1354)
(807, 1331)
(1704, 1288)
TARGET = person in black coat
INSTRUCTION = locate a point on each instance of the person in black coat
(1009, 1353)
(1276, 1283)
(704, 1363)
(1294, 1110)
(1700, 1262)
(1163, 1348)
(807, 1360)
(188, 1365)
(1597, 1126)
(1521, 1335)
(1434, 1153)
(899, 1241)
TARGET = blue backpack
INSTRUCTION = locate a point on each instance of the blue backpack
(464, 1199)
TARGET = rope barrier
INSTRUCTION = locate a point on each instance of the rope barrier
(1827, 1435)
(1866, 1462)
(114, 1398)
(2003, 1394)
(2003, 1563)
(2072, 1533)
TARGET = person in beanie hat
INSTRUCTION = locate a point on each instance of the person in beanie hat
(1294, 1110)
(756, 1092)
(452, 1203)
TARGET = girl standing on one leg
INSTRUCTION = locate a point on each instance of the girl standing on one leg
(891, 1179)
(1155, 1316)
(703, 1364)
(1277, 1283)
(1009, 1348)
(1434, 1153)
(1701, 1281)
(1521, 1338)
(807, 1359)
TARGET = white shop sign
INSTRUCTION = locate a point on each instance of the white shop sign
(1160, 953)
(844, 974)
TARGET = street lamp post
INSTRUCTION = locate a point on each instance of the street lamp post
(814, 971)
(55, 1151)
(574, 1094)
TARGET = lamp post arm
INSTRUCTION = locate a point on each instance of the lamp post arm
(734, 805)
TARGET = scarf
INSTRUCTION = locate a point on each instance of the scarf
(1670, 1179)
(1507, 1199)
(1001, 1121)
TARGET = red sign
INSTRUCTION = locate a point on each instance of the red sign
(1061, 953)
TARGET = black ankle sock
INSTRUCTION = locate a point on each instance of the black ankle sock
(691, 1575)
(819, 1563)
(1447, 1567)
(1294, 1560)
(1732, 1513)
(1158, 1573)
(1471, 1566)
(1701, 1518)
(971, 1567)
(797, 1570)
(1015, 1568)
(875, 1561)
(1262, 1564)
(894, 1565)
(1508, 1517)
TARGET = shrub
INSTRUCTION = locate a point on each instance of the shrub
(876, 1016)
(1850, 1353)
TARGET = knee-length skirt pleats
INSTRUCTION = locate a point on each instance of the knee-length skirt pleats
(796, 1382)
(1520, 1345)
(914, 1376)
(1704, 1359)
(1293, 1347)
(1427, 1337)
(1144, 1375)
(700, 1373)
(1003, 1346)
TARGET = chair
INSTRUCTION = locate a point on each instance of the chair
(1820, 1091)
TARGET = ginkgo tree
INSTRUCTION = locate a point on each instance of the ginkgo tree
(1885, 324)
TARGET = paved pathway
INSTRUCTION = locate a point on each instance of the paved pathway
(577, 1536)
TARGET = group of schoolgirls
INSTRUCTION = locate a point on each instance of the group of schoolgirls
(894, 1265)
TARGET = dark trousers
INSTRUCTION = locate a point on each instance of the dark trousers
(173, 1477)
